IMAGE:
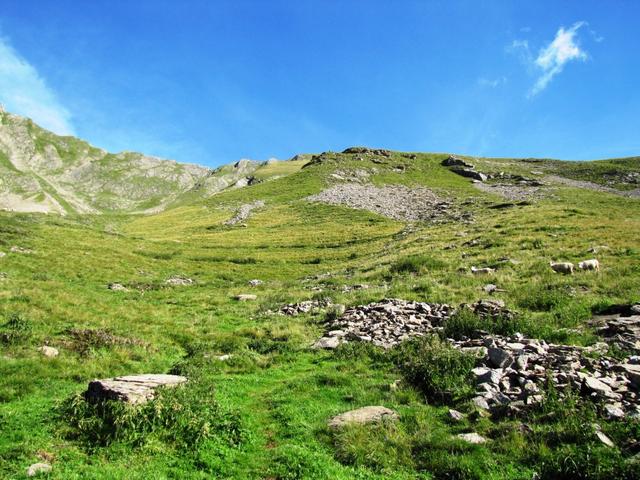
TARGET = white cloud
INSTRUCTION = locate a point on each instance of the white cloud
(552, 59)
(25, 92)
(492, 82)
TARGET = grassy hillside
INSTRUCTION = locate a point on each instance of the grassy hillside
(262, 413)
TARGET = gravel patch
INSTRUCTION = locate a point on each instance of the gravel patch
(514, 193)
(393, 201)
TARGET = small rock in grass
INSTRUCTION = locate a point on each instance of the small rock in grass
(255, 282)
(473, 438)
(16, 249)
(604, 439)
(246, 297)
(177, 281)
(117, 287)
(328, 343)
(455, 415)
(363, 416)
(48, 351)
(38, 468)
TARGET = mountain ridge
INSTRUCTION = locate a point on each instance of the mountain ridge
(48, 173)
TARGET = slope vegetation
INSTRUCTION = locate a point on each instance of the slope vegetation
(259, 397)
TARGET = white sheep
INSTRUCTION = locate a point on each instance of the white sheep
(562, 267)
(480, 271)
(592, 264)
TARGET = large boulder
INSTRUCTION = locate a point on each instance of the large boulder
(469, 173)
(362, 416)
(133, 389)
(453, 161)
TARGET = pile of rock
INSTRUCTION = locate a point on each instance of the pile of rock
(489, 308)
(307, 306)
(385, 323)
(513, 371)
(623, 332)
(368, 151)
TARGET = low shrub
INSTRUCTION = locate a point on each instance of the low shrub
(16, 329)
(382, 447)
(417, 264)
(438, 370)
(466, 323)
(184, 416)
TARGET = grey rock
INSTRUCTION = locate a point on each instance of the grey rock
(133, 389)
(473, 438)
(604, 439)
(500, 358)
(455, 415)
(328, 343)
(48, 351)
(246, 297)
(362, 416)
(177, 281)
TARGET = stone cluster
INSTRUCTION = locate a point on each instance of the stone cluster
(512, 373)
(623, 332)
(385, 323)
(307, 306)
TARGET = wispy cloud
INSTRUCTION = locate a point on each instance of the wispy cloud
(25, 92)
(492, 82)
(551, 60)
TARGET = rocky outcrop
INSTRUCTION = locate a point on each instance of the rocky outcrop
(453, 161)
(133, 389)
(244, 212)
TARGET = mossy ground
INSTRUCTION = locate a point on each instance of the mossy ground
(280, 391)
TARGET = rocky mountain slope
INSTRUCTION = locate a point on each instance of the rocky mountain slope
(363, 315)
(44, 172)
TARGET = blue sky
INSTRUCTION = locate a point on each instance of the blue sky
(210, 82)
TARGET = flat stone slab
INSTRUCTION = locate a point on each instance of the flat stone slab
(363, 416)
(133, 389)
(472, 438)
(246, 297)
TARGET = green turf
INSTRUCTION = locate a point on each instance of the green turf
(275, 390)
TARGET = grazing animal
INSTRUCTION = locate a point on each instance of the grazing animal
(592, 264)
(562, 267)
(480, 271)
